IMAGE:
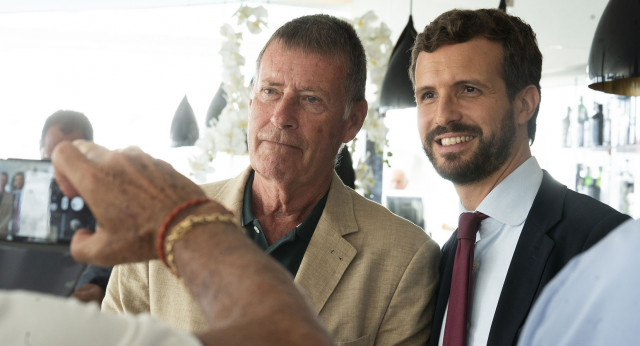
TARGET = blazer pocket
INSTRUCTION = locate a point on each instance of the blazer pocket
(361, 341)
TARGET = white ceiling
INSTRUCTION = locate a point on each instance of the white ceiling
(564, 28)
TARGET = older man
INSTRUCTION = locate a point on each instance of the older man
(369, 275)
(477, 86)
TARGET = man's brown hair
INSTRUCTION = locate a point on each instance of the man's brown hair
(521, 57)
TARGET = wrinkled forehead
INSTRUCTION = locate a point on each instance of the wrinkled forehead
(293, 66)
(280, 46)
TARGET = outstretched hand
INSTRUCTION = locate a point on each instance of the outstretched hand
(130, 194)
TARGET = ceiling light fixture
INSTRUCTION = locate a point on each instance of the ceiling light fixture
(397, 89)
(614, 60)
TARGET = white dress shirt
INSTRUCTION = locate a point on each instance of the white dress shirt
(507, 206)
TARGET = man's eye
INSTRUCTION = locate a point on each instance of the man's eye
(428, 95)
(268, 91)
(312, 99)
(469, 89)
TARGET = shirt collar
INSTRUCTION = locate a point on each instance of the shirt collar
(510, 201)
(247, 215)
(303, 230)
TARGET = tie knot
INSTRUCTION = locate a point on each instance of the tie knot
(468, 224)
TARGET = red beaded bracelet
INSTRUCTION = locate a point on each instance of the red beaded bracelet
(167, 221)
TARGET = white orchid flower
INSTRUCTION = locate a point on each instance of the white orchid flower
(253, 17)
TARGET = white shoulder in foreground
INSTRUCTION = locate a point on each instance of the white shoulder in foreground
(594, 299)
(28, 318)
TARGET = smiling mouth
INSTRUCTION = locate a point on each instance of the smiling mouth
(454, 140)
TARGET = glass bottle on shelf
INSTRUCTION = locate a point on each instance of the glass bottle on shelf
(597, 126)
(566, 125)
(579, 179)
(588, 183)
(606, 129)
(597, 184)
(626, 190)
(632, 120)
(623, 123)
(583, 118)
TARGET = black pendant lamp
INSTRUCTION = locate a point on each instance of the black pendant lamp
(184, 129)
(216, 106)
(503, 6)
(397, 89)
(614, 60)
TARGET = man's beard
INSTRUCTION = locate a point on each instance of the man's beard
(491, 154)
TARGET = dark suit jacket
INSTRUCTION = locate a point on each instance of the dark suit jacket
(560, 225)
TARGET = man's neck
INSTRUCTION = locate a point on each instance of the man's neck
(471, 195)
(282, 206)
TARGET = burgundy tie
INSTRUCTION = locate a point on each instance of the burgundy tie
(455, 331)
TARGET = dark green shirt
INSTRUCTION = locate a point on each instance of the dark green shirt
(289, 249)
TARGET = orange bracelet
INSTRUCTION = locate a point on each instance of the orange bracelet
(167, 221)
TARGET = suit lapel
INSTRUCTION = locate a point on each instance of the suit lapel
(444, 288)
(528, 263)
(328, 254)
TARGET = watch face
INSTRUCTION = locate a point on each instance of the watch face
(77, 203)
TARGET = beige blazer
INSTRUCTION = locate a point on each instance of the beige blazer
(370, 275)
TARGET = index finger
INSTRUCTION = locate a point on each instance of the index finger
(73, 168)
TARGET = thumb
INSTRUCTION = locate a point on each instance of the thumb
(82, 245)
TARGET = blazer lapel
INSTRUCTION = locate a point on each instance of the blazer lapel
(527, 266)
(328, 254)
(229, 192)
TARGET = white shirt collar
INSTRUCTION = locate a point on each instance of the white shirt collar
(510, 201)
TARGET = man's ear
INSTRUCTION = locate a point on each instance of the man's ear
(355, 121)
(526, 103)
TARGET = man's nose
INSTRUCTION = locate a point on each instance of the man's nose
(447, 110)
(285, 114)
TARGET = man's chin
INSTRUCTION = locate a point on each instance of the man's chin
(450, 167)
(273, 171)
(447, 161)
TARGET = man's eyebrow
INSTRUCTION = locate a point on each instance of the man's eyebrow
(456, 83)
(423, 89)
(269, 83)
(312, 89)
(319, 91)
(470, 81)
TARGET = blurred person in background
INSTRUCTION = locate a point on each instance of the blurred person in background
(67, 125)
(6, 205)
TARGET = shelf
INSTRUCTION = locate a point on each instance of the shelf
(630, 148)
